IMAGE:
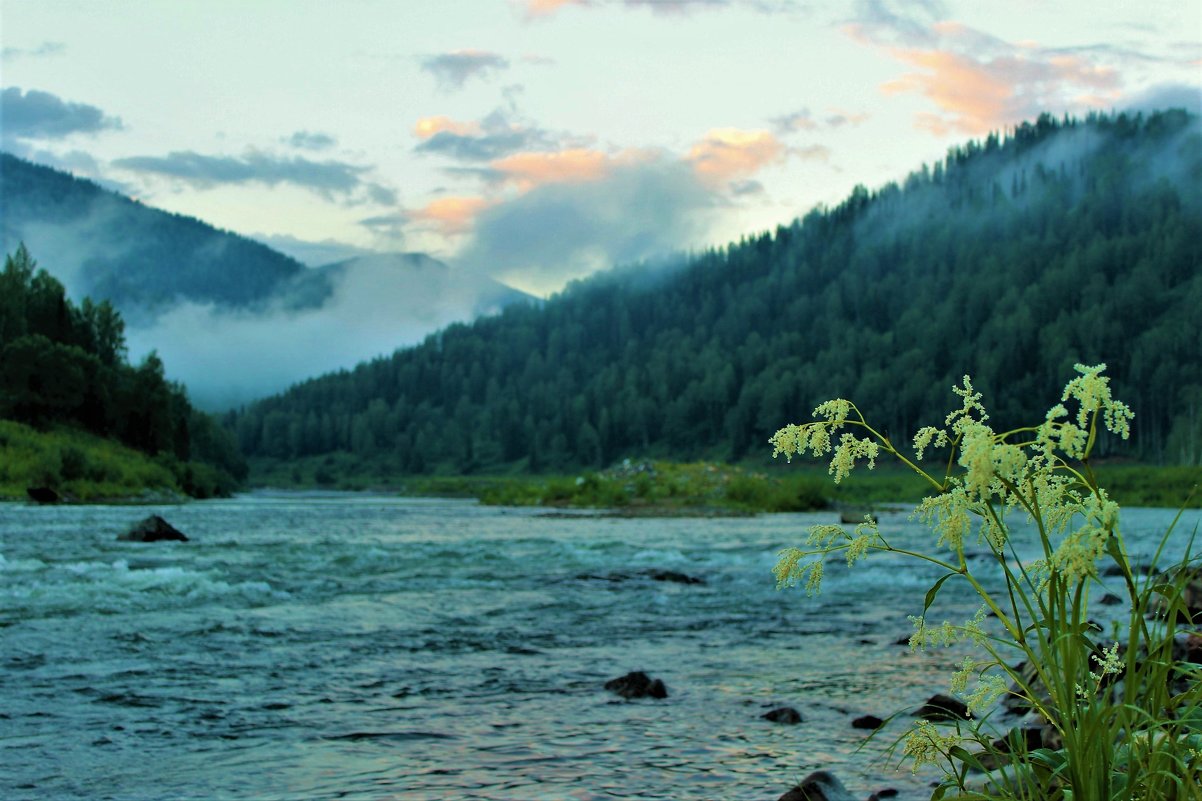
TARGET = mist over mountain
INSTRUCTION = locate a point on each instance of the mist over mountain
(1060, 242)
(232, 318)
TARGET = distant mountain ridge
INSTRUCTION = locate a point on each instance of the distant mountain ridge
(267, 320)
(1015, 257)
(106, 245)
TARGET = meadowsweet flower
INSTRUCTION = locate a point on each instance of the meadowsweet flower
(960, 678)
(928, 436)
(1077, 556)
(786, 569)
(866, 535)
(814, 580)
(974, 628)
(949, 515)
(976, 457)
(1110, 663)
(972, 403)
(944, 634)
(926, 745)
(1092, 391)
(989, 688)
(823, 535)
(834, 411)
(850, 448)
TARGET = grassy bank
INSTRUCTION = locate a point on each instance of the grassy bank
(83, 467)
(660, 486)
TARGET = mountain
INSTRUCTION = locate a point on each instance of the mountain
(144, 261)
(1011, 260)
(267, 321)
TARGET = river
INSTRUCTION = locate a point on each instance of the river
(366, 647)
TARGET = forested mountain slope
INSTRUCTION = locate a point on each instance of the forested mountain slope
(1061, 242)
(143, 260)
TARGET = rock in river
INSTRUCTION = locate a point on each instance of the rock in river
(785, 714)
(153, 529)
(818, 786)
(637, 685)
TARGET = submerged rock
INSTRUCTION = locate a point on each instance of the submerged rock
(867, 722)
(818, 786)
(153, 529)
(784, 714)
(674, 577)
(637, 685)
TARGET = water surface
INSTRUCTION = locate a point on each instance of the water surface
(360, 647)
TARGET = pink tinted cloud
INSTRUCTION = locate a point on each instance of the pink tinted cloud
(429, 126)
(546, 8)
(451, 215)
(728, 154)
(529, 169)
(979, 83)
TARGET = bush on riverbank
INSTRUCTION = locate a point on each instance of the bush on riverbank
(664, 487)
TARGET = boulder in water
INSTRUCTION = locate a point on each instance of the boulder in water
(867, 722)
(637, 685)
(818, 786)
(153, 529)
(784, 714)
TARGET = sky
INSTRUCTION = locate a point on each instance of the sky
(537, 141)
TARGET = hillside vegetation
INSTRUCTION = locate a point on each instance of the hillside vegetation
(1017, 256)
(63, 367)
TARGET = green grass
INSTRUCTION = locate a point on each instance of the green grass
(77, 465)
(755, 487)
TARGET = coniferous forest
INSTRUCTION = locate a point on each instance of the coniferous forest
(65, 365)
(1062, 241)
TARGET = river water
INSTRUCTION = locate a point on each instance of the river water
(365, 647)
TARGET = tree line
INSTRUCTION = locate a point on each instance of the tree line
(1017, 256)
(62, 364)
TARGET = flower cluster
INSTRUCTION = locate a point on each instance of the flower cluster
(1034, 471)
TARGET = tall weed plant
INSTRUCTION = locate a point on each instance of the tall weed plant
(1112, 715)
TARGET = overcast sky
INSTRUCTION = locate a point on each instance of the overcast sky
(538, 140)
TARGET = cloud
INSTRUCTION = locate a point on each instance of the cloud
(493, 137)
(326, 178)
(676, 6)
(564, 230)
(378, 303)
(536, 9)
(978, 82)
(838, 119)
(745, 188)
(797, 121)
(313, 254)
(41, 51)
(528, 170)
(895, 21)
(36, 115)
(804, 120)
(545, 8)
(450, 215)
(452, 70)
(1167, 95)
(311, 140)
(729, 154)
